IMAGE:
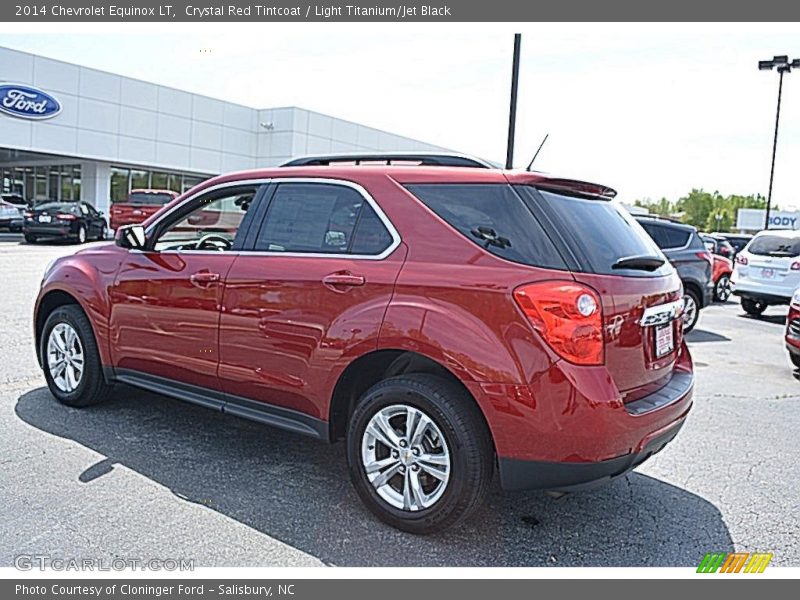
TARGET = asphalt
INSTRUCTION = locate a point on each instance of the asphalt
(144, 476)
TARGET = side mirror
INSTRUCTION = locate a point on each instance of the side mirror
(131, 237)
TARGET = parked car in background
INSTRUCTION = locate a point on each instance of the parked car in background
(78, 221)
(17, 200)
(793, 329)
(682, 245)
(718, 245)
(767, 271)
(140, 205)
(737, 240)
(445, 321)
(721, 275)
(10, 216)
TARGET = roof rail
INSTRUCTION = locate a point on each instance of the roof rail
(424, 159)
(663, 218)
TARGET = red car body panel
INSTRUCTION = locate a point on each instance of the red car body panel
(269, 329)
(128, 213)
(721, 266)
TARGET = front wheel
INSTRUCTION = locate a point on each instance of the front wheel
(70, 358)
(722, 289)
(691, 310)
(419, 452)
(754, 308)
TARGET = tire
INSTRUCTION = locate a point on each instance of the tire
(80, 237)
(466, 443)
(30, 239)
(795, 358)
(754, 308)
(90, 387)
(722, 289)
(102, 235)
(691, 309)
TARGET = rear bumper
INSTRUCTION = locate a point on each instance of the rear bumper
(52, 231)
(771, 293)
(573, 477)
(769, 298)
(570, 428)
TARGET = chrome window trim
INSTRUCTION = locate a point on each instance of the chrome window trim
(395, 235)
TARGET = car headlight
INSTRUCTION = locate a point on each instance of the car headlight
(796, 299)
(47, 269)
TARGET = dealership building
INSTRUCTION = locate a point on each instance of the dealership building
(69, 132)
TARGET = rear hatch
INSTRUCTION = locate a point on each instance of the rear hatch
(773, 259)
(640, 291)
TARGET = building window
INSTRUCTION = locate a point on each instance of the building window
(123, 180)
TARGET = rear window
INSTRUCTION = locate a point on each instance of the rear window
(600, 231)
(70, 207)
(494, 217)
(149, 198)
(775, 245)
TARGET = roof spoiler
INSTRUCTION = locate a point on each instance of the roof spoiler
(581, 188)
(423, 159)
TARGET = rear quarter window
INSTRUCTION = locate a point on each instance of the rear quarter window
(494, 217)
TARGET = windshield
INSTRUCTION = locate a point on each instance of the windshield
(775, 245)
(58, 206)
(153, 198)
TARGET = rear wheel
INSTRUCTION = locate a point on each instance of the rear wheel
(752, 307)
(722, 289)
(70, 358)
(31, 239)
(691, 310)
(419, 453)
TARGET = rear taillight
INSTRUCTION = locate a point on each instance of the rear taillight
(741, 260)
(706, 256)
(568, 316)
(65, 217)
(796, 265)
(27, 214)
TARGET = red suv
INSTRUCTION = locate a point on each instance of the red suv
(139, 206)
(445, 321)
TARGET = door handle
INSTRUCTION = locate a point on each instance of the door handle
(343, 279)
(203, 277)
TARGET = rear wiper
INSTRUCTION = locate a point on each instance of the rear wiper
(490, 238)
(642, 263)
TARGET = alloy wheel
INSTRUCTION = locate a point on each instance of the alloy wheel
(81, 234)
(65, 357)
(405, 457)
(723, 288)
(689, 310)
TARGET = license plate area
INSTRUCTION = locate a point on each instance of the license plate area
(45, 219)
(664, 339)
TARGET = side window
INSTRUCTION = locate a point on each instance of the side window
(656, 232)
(84, 209)
(371, 235)
(211, 223)
(317, 218)
(676, 238)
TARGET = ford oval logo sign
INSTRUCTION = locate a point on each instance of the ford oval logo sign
(27, 102)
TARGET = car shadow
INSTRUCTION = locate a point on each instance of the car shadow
(773, 319)
(297, 490)
(699, 336)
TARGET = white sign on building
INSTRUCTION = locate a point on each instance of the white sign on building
(752, 219)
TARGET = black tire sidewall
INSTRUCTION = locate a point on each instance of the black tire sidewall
(91, 385)
(445, 511)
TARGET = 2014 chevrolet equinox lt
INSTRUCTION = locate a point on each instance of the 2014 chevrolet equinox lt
(445, 321)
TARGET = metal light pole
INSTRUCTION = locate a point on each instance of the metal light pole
(512, 113)
(783, 65)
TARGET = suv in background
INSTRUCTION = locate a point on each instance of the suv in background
(737, 240)
(718, 245)
(767, 271)
(685, 249)
(140, 205)
(446, 322)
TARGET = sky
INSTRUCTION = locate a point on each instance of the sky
(652, 110)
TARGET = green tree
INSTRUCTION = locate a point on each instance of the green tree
(708, 211)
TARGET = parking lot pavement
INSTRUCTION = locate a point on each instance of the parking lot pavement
(144, 476)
